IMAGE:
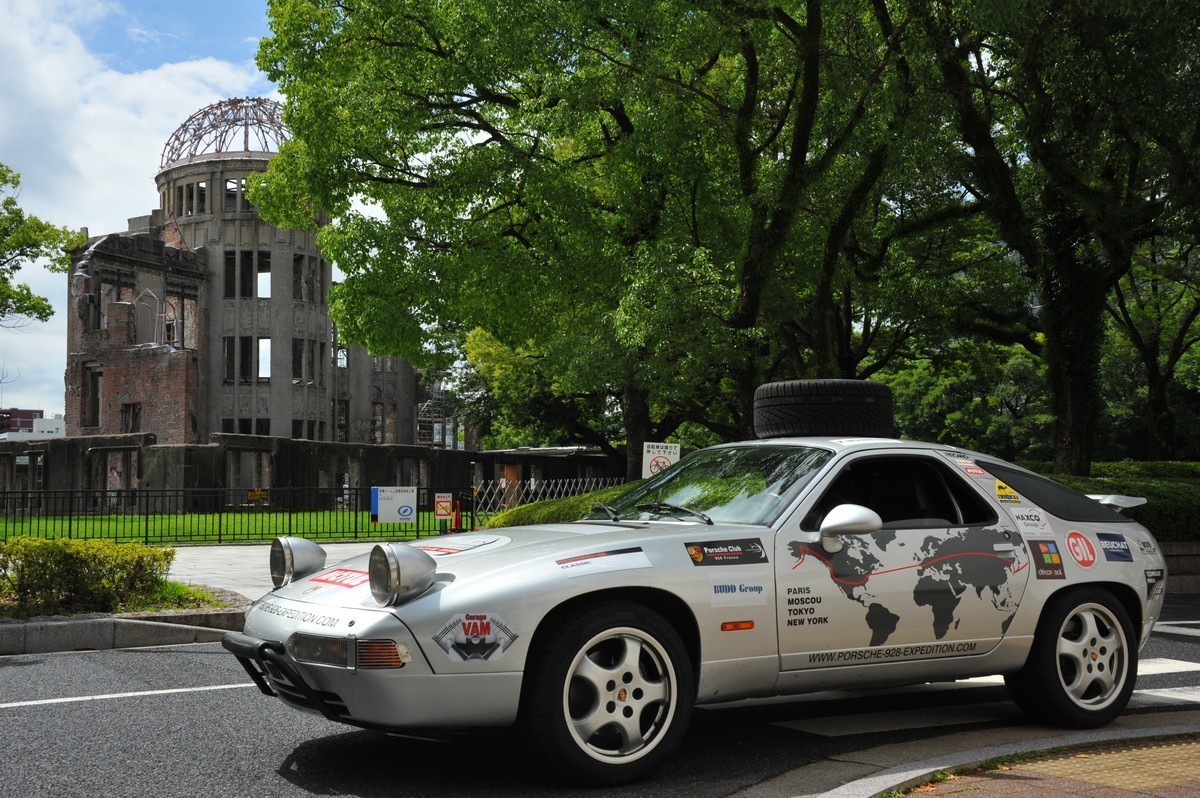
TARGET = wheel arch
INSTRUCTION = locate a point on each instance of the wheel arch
(670, 606)
(1125, 594)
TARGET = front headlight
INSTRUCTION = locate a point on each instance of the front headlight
(294, 558)
(399, 572)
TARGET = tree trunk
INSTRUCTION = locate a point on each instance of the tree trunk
(635, 409)
(1160, 419)
(1074, 317)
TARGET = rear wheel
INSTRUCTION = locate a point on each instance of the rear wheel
(1083, 663)
(609, 693)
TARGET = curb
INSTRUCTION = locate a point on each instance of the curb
(876, 771)
(132, 630)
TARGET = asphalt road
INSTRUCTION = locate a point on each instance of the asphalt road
(182, 721)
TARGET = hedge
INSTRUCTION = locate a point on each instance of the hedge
(61, 576)
(557, 511)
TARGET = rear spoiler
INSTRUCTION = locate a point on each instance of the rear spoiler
(1117, 501)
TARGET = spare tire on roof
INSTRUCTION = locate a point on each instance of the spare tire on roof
(823, 407)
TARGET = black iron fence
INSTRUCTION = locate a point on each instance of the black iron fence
(221, 516)
(161, 517)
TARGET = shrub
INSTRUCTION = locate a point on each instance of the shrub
(50, 577)
(557, 511)
(1172, 507)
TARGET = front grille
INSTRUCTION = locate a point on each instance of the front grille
(292, 695)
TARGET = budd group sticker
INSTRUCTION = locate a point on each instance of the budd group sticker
(749, 551)
(475, 635)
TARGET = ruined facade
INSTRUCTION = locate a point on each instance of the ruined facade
(203, 319)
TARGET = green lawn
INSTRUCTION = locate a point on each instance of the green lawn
(230, 527)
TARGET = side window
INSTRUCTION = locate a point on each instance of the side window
(1054, 497)
(908, 492)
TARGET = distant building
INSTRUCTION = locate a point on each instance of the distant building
(43, 429)
(17, 420)
(203, 318)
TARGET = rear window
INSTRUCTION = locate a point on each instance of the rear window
(1054, 497)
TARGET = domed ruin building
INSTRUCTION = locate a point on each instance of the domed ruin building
(203, 318)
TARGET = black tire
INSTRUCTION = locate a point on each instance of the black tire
(1083, 663)
(608, 693)
(823, 407)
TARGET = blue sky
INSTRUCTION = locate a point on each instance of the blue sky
(92, 89)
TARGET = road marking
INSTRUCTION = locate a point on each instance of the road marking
(106, 696)
(1176, 628)
(876, 722)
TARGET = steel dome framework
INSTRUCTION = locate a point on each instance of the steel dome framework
(244, 124)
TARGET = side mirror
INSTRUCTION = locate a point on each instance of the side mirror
(847, 519)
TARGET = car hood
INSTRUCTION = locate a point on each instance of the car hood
(466, 556)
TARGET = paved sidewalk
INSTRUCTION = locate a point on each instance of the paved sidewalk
(1158, 767)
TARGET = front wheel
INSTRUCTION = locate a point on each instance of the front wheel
(609, 694)
(1083, 663)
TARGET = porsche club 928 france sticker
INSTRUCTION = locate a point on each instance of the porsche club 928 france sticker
(475, 635)
(748, 551)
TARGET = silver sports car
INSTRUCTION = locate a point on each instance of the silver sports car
(764, 568)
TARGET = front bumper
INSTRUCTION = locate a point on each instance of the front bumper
(406, 699)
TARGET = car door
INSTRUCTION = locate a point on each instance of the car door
(943, 576)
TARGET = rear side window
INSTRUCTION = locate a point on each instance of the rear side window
(1054, 497)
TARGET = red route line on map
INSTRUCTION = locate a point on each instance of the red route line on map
(804, 550)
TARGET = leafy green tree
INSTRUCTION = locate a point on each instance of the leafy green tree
(1157, 305)
(641, 194)
(1077, 134)
(24, 240)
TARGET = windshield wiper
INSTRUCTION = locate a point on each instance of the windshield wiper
(659, 507)
(612, 514)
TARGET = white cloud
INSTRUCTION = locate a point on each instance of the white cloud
(86, 140)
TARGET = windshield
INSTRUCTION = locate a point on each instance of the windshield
(741, 485)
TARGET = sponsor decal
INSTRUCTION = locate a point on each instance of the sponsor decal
(445, 548)
(475, 635)
(296, 614)
(964, 462)
(1114, 546)
(852, 441)
(343, 577)
(1154, 579)
(749, 551)
(1047, 560)
(1006, 494)
(1032, 521)
(1146, 546)
(611, 560)
(975, 471)
(1081, 549)
(920, 651)
(738, 594)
